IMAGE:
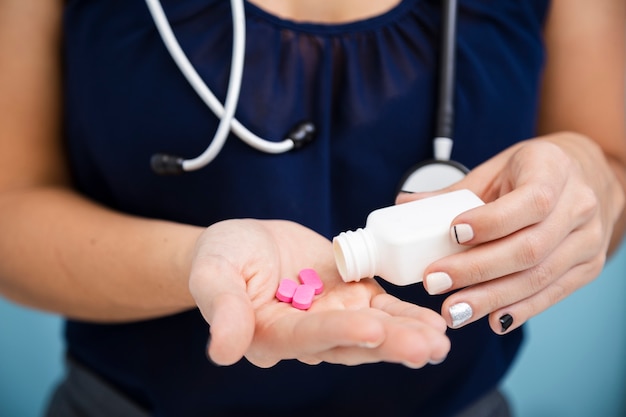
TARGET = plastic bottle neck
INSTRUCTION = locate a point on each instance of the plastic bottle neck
(355, 254)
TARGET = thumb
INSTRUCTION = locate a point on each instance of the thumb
(219, 290)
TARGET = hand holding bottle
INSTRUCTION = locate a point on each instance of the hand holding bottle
(552, 206)
(398, 242)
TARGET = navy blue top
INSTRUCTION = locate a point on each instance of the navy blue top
(370, 88)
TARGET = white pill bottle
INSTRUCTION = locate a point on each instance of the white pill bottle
(400, 241)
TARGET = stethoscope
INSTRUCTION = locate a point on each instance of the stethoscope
(441, 171)
(425, 176)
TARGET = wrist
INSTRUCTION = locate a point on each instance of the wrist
(183, 243)
(605, 173)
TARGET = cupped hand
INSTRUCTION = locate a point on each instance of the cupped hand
(552, 203)
(236, 271)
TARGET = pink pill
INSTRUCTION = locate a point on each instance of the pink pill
(303, 297)
(310, 277)
(286, 290)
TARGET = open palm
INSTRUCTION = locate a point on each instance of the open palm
(236, 270)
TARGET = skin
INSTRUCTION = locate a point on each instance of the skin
(346, 324)
(64, 253)
(326, 11)
(555, 203)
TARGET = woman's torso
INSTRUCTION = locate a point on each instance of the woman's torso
(370, 88)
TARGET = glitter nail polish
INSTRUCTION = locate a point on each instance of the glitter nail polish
(460, 313)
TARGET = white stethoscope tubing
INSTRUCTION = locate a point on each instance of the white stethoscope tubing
(442, 142)
(224, 113)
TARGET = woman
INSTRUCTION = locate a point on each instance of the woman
(141, 265)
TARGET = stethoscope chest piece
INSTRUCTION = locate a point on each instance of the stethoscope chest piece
(432, 175)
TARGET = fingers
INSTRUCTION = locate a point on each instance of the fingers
(492, 260)
(504, 252)
(511, 300)
(521, 208)
(326, 330)
(529, 184)
(513, 316)
(409, 343)
(390, 331)
(538, 180)
(524, 207)
(398, 308)
(400, 340)
(426, 325)
(537, 242)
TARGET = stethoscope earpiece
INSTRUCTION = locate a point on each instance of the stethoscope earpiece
(165, 164)
(302, 134)
(299, 136)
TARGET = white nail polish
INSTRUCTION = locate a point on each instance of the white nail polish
(462, 233)
(460, 313)
(438, 282)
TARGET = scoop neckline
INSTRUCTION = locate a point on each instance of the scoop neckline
(332, 28)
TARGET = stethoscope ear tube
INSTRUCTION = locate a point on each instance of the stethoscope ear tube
(167, 164)
(302, 133)
(227, 112)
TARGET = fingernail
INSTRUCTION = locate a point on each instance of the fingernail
(206, 350)
(413, 365)
(462, 233)
(208, 355)
(369, 345)
(437, 362)
(460, 313)
(438, 282)
(506, 321)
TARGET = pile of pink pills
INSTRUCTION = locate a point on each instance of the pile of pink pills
(300, 295)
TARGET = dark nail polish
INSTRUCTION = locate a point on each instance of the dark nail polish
(505, 322)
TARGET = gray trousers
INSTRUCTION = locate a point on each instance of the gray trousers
(83, 394)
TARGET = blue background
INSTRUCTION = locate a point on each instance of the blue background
(573, 363)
